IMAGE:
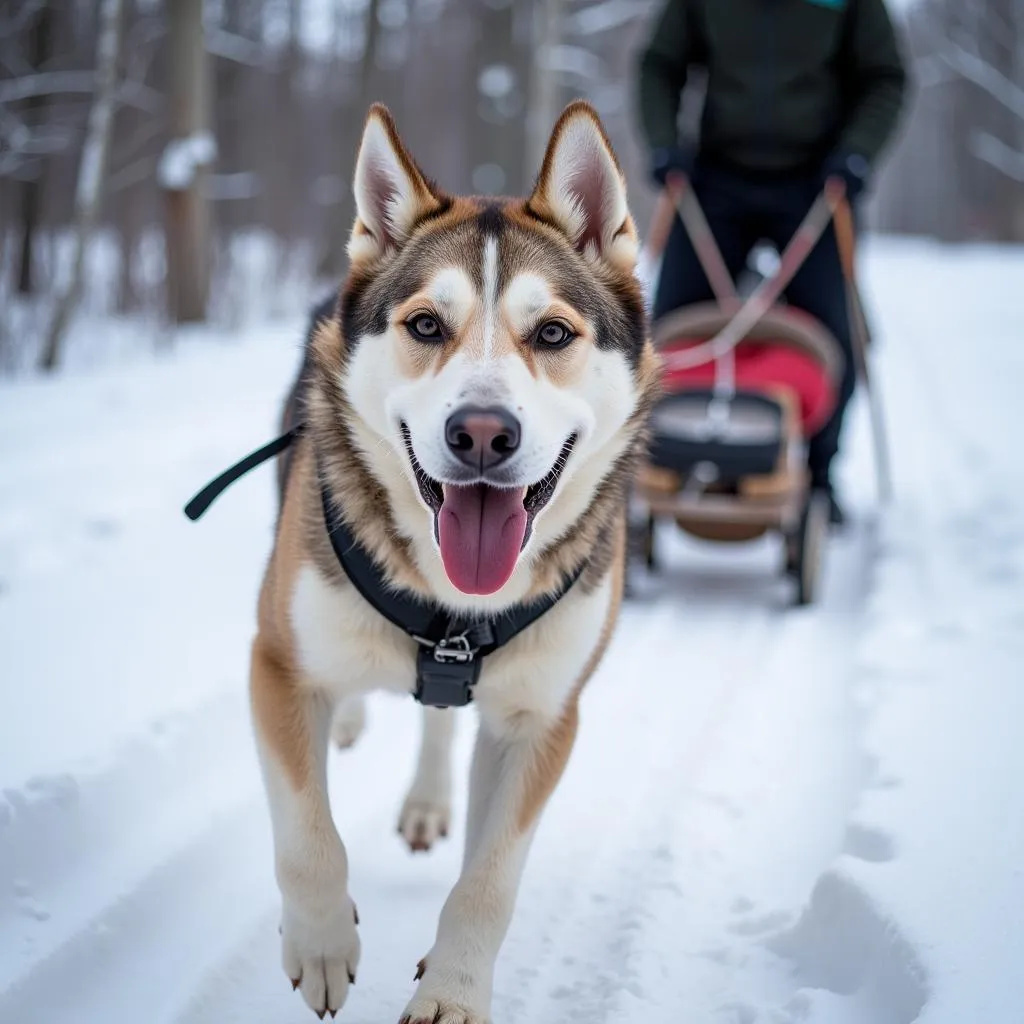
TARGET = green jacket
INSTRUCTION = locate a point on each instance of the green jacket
(788, 80)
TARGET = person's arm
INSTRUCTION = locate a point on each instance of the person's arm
(663, 66)
(877, 77)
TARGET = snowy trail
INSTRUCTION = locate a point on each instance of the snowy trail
(772, 815)
(652, 874)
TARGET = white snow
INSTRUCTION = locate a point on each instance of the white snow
(772, 816)
(181, 159)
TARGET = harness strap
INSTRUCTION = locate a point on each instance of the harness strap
(451, 647)
(213, 490)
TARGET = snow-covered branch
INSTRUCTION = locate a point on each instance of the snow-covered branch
(233, 47)
(48, 83)
(998, 154)
(606, 15)
(931, 71)
(971, 66)
(182, 158)
(576, 61)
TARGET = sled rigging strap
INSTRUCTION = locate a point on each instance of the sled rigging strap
(450, 647)
(749, 314)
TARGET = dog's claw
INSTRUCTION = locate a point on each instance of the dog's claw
(321, 1014)
(421, 969)
(355, 913)
(296, 982)
(351, 978)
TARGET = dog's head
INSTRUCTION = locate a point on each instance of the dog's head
(493, 353)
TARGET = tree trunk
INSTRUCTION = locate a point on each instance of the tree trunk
(92, 171)
(1007, 36)
(341, 215)
(286, 170)
(499, 116)
(544, 106)
(184, 164)
(31, 190)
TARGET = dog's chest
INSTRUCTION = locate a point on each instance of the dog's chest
(345, 646)
(342, 644)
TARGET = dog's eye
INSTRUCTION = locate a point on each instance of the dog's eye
(424, 328)
(554, 335)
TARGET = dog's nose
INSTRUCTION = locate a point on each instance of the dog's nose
(482, 437)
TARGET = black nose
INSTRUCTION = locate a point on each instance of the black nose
(482, 438)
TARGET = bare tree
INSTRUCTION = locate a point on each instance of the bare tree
(91, 173)
(31, 189)
(959, 170)
(500, 115)
(342, 213)
(544, 96)
(182, 170)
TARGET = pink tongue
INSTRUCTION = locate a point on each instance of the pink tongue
(481, 531)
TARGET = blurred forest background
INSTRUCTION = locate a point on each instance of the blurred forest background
(191, 158)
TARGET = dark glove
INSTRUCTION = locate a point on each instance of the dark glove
(852, 168)
(672, 160)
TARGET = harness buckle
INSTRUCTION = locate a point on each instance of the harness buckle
(454, 650)
(446, 673)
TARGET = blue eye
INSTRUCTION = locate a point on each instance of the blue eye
(554, 335)
(424, 327)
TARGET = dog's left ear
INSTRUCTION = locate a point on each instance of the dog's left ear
(392, 195)
(582, 192)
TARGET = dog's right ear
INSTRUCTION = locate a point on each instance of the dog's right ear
(392, 195)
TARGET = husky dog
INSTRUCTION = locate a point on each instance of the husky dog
(472, 410)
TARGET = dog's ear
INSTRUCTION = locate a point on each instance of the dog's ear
(391, 193)
(582, 192)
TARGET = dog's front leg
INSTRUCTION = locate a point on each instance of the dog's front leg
(320, 944)
(426, 813)
(512, 777)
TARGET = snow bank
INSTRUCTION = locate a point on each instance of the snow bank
(920, 919)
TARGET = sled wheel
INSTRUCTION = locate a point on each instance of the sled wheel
(804, 547)
(649, 554)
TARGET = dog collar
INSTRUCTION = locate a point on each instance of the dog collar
(450, 647)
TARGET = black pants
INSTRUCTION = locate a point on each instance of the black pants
(743, 210)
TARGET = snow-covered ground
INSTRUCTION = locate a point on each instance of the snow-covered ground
(772, 816)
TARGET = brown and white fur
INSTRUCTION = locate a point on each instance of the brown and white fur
(493, 272)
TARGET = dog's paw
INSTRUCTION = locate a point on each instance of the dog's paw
(349, 722)
(321, 955)
(423, 822)
(441, 1011)
(448, 993)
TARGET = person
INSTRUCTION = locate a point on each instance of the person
(797, 91)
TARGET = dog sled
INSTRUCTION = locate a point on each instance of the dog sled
(746, 384)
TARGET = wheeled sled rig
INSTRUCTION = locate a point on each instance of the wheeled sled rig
(746, 384)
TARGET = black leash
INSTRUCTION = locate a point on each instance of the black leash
(451, 648)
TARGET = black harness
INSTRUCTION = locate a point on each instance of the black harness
(450, 648)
